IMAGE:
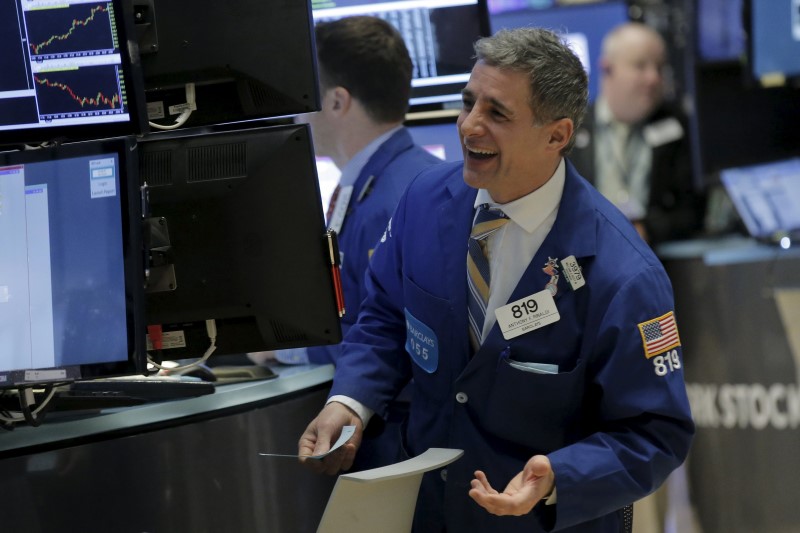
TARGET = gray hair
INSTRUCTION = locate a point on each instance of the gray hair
(558, 81)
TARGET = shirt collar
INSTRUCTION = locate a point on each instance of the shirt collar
(352, 169)
(532, 209)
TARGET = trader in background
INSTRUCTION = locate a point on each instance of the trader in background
(633, 146)
(365, 82)
(537, 327)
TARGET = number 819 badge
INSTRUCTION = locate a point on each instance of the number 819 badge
(527, 314)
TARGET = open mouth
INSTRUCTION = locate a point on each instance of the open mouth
(475, 153)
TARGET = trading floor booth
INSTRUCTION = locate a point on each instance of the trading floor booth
(183, 465)
(738, 305)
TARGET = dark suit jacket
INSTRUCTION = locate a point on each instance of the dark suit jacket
(675, 208)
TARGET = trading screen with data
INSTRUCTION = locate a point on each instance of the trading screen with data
(438, 33)
(61, 64)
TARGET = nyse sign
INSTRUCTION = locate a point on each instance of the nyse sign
(745, 405)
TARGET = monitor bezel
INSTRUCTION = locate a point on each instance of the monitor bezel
(133, 260)
(134, 88)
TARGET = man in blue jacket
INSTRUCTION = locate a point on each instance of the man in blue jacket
(365, 80)
(567, 395)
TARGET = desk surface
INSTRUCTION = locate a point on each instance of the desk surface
(66, 431)
(730, 249)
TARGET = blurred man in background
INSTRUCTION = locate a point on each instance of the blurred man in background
(633, 145)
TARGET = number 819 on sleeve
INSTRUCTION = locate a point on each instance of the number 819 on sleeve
(668, 362)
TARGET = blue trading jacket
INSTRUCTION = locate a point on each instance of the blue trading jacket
(375, 195)
(615, 419)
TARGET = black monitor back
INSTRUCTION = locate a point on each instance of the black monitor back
(246, 240)
(248, 59)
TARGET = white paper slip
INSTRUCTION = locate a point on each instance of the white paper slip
(347, 432)
(534, 368)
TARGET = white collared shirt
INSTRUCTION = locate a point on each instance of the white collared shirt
(512, 247)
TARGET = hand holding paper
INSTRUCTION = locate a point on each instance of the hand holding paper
(347, 432)
(320, 435)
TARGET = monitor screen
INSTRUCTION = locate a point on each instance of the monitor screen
(247, 59)
(239, 238)
(773, 40)
(437, 137)
(500, 6)
(720, 32)
(583, 27)
(439, 35)
(68, 71)
(71, 275)
(766, 196)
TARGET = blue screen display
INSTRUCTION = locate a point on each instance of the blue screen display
(775, 34)
(583, 26)
(62, 272)
(720, 32)
(439, 139)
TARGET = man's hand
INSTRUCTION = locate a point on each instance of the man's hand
(323, 431)
(523, 492)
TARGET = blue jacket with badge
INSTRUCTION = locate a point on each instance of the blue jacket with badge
(375, 195)
(614, 421)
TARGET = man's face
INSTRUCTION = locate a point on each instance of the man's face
(634, 78)
(503, 149)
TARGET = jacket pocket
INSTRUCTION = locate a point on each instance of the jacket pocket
(541, 411)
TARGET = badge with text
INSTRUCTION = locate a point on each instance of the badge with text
(662, 132)
(572, 272)
(340, 208)
(527, 314)
(422, 344)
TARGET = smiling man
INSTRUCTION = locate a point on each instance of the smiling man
(551, 354)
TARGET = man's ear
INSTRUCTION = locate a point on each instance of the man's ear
(341, 99)
(561, 131)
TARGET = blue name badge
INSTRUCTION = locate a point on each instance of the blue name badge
(422, 344)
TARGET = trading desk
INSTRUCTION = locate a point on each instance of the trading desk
(189, 465)
(738, 308)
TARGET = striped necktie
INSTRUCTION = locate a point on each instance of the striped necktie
(487, 221)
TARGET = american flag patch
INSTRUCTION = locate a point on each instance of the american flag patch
(659, 335)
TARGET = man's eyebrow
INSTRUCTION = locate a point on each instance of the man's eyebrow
(466, 93)
(501, 106)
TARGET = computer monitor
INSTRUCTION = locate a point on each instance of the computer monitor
(68, 71)
(583, 27)
(71, 269)
(767, 198)
(238, 237)
(248, 59)
(439, 137)
(439, 35)
(773, 39)
(719, 30)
